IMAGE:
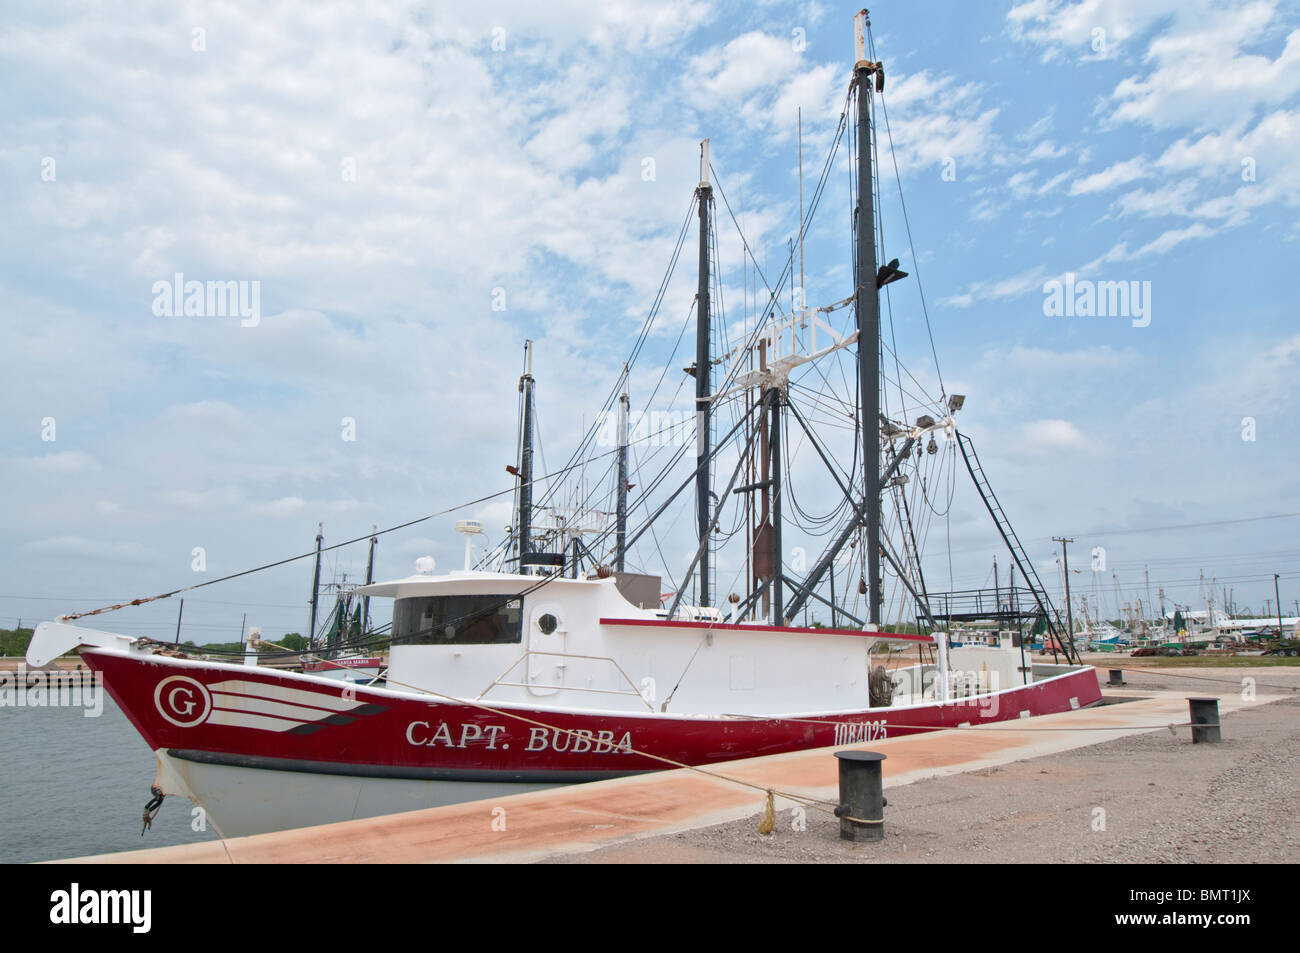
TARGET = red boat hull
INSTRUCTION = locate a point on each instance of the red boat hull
(263, 719)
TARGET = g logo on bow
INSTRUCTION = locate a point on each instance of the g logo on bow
(183, 701)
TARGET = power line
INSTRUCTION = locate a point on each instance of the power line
(1161, 529)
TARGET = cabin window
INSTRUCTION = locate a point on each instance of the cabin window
(458, 620)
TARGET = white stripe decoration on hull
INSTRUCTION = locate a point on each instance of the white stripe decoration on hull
(240, 703)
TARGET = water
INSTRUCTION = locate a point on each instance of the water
(75, 786)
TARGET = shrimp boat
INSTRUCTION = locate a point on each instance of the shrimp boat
(556, 657)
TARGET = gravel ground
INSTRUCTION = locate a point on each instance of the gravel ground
(1164, 801)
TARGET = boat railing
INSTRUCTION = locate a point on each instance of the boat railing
(499, 681)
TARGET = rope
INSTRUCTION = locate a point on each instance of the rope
(768, 824)
(988, 726)
(1206, 678)
(67, 617)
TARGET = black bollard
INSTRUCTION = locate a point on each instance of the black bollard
(862, 796)
(1205, 719)
(1117, 678)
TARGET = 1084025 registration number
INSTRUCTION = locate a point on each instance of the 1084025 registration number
(853, 732)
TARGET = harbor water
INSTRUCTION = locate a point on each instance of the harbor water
(76, 786)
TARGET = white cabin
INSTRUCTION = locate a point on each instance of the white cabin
(580, 644)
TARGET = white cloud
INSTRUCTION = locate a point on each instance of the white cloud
(1172, 238)
(80, 551)
(761, 80)
(1012, 287)
(1065, 28)
(748, 64)
(293, 506)
(62, 461)
(1118, 174)
(1181, 91)
(1173, 198)
(1053, 434)
(1053, 182)
(1049, 362)
(1046, 149)
(934, 117)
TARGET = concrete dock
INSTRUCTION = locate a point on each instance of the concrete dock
(660, 817)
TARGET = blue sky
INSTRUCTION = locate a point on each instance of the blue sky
(1149, 142)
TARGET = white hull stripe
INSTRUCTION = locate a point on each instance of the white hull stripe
(266, 706)
(282, 693)
(241, 719)
(239, 703)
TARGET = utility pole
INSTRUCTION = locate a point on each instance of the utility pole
(179, 612)
(1279, 606)
(997, 595)
(1069, 611)
(1014, 602)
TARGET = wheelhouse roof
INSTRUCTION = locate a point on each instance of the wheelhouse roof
(468, 582)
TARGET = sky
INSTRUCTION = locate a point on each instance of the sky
(415, 189)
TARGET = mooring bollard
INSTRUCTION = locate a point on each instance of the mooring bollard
(1205, 720)
(862, 796)
(1117, 678)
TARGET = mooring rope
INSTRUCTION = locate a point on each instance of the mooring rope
(1203, 678)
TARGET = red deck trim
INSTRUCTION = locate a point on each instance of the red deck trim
(684, 624)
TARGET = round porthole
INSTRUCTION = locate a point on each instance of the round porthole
(548, 624)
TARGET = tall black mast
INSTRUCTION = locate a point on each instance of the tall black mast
(315, 588)
(525, 516)
(774, 447)
(867, 305)
(704, 194)
(620, 513)
(370, 577)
